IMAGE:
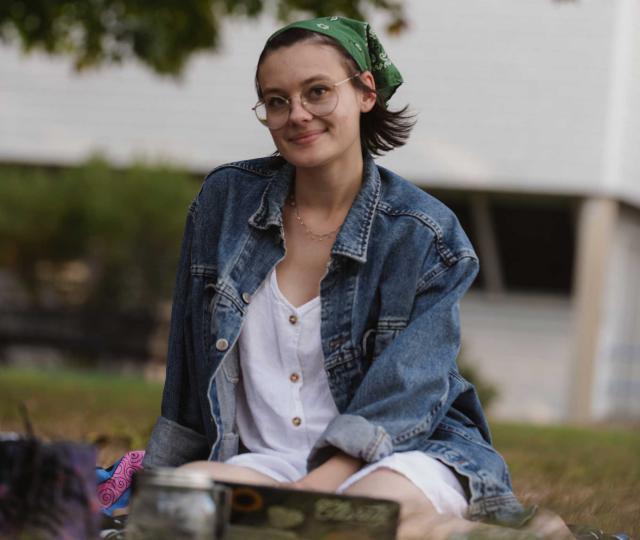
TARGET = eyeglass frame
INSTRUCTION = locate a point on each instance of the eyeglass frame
(302, 103)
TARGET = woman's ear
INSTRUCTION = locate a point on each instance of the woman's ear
(368, 99)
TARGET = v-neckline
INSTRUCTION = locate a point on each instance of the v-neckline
(303, 308)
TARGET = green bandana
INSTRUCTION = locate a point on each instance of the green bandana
(362, 43)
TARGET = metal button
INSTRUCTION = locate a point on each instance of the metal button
(294, 377)
(222, 344)
(293, 319)
(296, 421)
(246, 297)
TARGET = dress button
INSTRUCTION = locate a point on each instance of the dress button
(294, 377)
(293, 319)
(222, 344)
(246, 297)
(296, 421)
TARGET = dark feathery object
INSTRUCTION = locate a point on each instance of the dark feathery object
(47, 489)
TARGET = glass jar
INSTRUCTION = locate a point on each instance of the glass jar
(171, 504)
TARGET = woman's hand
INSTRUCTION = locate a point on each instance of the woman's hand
(328, 476)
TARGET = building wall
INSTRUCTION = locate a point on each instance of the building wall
(49, 113)
(520, 343)
(510, 95)
(617, 370)
(630, 115)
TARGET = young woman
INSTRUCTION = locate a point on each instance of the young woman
(315, 320)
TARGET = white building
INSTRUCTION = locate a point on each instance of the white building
(529, 122)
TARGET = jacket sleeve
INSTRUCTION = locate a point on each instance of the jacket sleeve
(405, 392)
(178, 435)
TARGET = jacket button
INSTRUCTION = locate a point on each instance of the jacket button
(222, 344)
(246, 297)
(293, 319)
(296, 421)
(294, 377)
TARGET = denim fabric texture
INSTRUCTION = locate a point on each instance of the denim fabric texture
(389, 324)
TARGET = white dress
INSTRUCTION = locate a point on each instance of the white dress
(284, 402)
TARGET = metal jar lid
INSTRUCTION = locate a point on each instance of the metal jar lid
(170, 477)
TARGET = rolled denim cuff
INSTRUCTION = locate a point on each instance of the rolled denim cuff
(172, 444)
(353, 435)
(504, 510)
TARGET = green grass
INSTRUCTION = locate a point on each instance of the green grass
(587, 475)
(113, 410)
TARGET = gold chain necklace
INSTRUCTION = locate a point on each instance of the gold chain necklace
(314, 236)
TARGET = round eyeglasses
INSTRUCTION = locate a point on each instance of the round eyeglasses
(318, 99)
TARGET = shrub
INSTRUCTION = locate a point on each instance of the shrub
(123, 227)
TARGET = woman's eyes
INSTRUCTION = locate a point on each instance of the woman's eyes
(317, 92)
(314, 93)
(276, 102)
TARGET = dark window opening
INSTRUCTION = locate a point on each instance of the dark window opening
(525, 242)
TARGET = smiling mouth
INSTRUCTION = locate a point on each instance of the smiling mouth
(306, 138)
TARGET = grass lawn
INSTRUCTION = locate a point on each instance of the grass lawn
(587, 475)
(117, 412)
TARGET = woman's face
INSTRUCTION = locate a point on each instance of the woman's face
(305, 140)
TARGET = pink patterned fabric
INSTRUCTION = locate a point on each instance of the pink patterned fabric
(114, 487)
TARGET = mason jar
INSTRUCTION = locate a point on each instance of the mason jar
(171, 504)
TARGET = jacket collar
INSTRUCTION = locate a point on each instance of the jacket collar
(353, 237)
(269, 213)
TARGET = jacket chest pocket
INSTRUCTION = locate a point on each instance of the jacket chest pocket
(376, 340)
(221, 318)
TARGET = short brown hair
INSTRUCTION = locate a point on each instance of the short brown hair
(381, 129)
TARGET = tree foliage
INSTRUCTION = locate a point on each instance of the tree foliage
(162, 34)
(122, 226)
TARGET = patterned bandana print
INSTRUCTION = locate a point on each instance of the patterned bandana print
(114, 483)
(362, 43)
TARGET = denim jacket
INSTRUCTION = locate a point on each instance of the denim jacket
(389, 325)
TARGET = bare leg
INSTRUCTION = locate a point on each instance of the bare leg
(225, 472)
(548, 524)
(420, 521)
(417, 514)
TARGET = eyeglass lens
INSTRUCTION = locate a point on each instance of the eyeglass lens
(318, 100)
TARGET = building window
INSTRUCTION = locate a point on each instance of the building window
(526, 242)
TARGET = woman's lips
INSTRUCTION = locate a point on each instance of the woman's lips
(307, 137)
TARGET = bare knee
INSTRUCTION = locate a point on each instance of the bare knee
(548, 524)
(225, 472)
(388, 484)
(214, 469)
(418, 517)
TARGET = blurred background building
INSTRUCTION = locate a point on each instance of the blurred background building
(529, 125)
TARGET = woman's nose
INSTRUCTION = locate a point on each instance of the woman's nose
(297, 111)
